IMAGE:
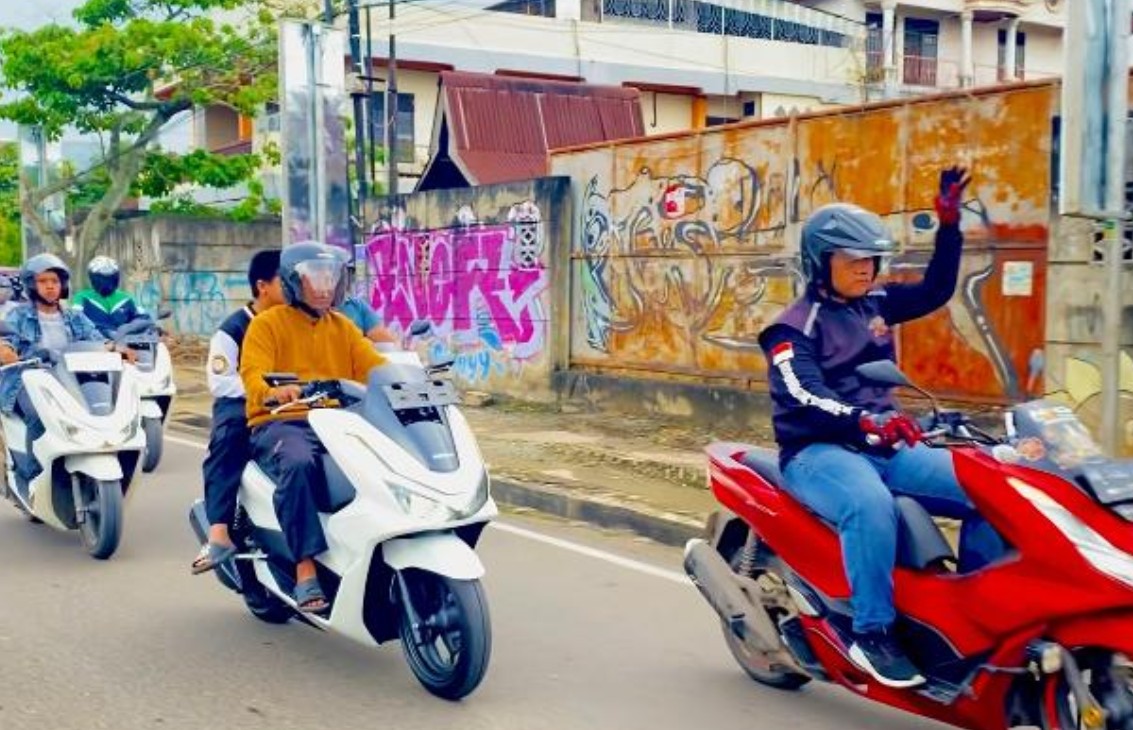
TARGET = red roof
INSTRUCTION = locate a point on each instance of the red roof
(499, 128)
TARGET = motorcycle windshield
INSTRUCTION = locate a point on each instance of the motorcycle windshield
(404, 405)
(1052, 438)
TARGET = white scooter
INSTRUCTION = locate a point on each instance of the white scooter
(89, 451)
(155, 383)
(407, 499)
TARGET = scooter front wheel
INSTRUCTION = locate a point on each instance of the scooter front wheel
(155, 444)
(99, 503)
(445, 631)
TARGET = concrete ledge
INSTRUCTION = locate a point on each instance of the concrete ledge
(605, 513)
(600, 511)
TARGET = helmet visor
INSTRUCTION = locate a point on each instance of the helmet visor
(321, 275)
(883, 258)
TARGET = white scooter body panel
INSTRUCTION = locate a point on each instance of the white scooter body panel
(87, 443)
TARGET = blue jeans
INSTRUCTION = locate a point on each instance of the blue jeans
(854, 491)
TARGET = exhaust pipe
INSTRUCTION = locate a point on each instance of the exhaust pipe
(717, 583)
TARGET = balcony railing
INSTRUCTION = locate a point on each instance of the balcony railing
(773, 20)
(920, 70)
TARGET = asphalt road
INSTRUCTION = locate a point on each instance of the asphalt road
(590, 631)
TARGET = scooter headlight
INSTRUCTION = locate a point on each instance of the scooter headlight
(1099, 552)
(418, 506)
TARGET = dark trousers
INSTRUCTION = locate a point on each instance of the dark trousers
(290, 453)
(228, 454)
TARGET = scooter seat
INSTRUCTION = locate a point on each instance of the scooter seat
(920, 544)
(765, 463)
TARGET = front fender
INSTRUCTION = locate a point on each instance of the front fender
(105, 467)
(441, 553)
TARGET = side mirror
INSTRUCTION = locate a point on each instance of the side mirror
(420, 327)
(277, 379)
(883, 372)
(886, 372)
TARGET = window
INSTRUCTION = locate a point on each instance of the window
(874, 48)
(922, 39)
(1020, 55)
(717, 121)
(405, 145)
(544, 8)
(751, 109)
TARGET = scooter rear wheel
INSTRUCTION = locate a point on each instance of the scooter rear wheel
(455, 633)
(155, 444)
(101, 526)
(261, 604)
(754, 663)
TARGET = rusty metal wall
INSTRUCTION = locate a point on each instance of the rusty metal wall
(685, 247)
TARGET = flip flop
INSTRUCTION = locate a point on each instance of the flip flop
(212, 555)
(309, 597)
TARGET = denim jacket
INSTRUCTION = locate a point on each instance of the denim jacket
(24, 335)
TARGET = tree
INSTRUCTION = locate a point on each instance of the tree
(123, 71)
(9, 204)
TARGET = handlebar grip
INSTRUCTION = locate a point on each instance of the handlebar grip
(271, 403)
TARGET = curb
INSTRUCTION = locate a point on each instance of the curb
(599, 512)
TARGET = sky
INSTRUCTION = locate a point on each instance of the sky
(28, 14)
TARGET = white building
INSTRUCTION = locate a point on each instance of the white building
(696, 62)
(914, 46)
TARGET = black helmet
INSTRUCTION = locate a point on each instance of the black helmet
(306, 259)
(842, 227)
(39, 264)
(103, 274)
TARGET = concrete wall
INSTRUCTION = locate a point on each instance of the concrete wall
(197, 268)
(480, 264)
(686, 246)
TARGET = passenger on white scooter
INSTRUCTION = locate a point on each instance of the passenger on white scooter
(45, 323)
(8, 300)
(229, 442)
(840, 438)
(314, 342)
(358, 311)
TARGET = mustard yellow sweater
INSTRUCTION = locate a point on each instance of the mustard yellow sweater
(285, 339)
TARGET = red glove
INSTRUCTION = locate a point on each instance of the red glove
(953, 181)
(889, 430)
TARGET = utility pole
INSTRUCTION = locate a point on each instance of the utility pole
(1117, 98)
(1095, 108)
(391, 108)
(361, 71)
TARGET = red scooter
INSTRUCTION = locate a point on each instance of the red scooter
(1041, 637)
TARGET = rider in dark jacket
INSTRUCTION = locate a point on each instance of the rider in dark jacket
(845, 448)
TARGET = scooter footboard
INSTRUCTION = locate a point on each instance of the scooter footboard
(442, 553)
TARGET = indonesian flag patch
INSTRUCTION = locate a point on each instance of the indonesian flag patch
(781, 353)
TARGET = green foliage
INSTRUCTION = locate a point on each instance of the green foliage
(122, 72)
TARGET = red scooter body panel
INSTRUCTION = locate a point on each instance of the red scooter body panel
(1044, 588)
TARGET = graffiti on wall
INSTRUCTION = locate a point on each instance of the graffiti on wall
(687, 246)
(481, 286)
(1081, 389)
(199, 300)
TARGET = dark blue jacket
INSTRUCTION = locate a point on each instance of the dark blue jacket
(814, 346)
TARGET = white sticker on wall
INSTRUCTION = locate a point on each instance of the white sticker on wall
(1018, 278)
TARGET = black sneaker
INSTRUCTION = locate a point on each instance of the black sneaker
(878, 654)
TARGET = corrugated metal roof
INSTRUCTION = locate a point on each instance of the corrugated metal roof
(500, 128)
